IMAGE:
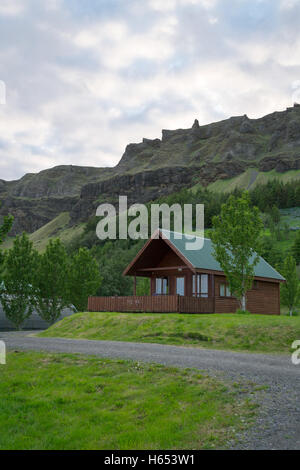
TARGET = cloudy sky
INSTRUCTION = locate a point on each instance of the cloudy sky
(86, 77)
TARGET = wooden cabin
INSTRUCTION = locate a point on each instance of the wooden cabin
(189, 281)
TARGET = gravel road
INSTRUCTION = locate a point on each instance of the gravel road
(278, 424)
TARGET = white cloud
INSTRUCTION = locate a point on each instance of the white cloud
(167, 5)
(11, 7)
(53, 5)
(96, 35)
(163, 5)
(213, 20)
(117, 47)
(83, 84)
(288, 4)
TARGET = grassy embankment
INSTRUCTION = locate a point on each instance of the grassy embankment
(60, 401)
(249, 333)
(250, 179)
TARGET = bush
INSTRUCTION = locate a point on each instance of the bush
(242, 312)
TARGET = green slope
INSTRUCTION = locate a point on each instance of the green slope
(57, 228)
(251, 333)
(251, 178)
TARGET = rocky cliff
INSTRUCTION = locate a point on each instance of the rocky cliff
(156, 167)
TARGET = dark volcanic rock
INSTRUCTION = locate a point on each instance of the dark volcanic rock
(36, 199)
(155, 143)
(196, 125)
(280, 163)
(227, 169)
(293, 130)
(141, 187)
(31, 214)
(246, 127)
(274, 141)
(179, 135)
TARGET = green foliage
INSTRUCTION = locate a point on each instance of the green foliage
(242, 312)
(48, 283)
(269, 250)
(290, 291)
(51, 282)
(235, 236)
(275, 214)
(296, 248)
(83, 278)
(143, 286)
(276, 194)
(17, 293)
(6, 227)
(113, 257)
(269, 198)
(4, 230)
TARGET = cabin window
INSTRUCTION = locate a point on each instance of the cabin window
(180, 285)
(200, 285)
(222, 290)
(255, 285)
(161, 286)
(225, 290)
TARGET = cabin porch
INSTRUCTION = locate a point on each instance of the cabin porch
(172, 290)
(152, 304)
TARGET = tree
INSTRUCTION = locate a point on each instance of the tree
(4, 230)
(83, 278)
(235, 235)
(6, 227)
(275, 214)
(290, 289)
(143, 286)
(296, 248)
(17, 291)
(269, 251)
(51, 282)
(113, 257)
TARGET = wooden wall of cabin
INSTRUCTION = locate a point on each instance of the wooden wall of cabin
(263, 298)
(186, 273)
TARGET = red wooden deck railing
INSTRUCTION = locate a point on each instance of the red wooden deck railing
(152, 304)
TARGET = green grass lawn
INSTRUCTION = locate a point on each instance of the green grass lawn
(253, 333)
(61, 401)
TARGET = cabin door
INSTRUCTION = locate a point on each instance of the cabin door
(180, 285)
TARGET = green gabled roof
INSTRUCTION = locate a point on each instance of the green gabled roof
(204, 259)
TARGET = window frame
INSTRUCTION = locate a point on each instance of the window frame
(164, 285)
(222, 286)
(184, 285)
(227, 292)
(197, 286)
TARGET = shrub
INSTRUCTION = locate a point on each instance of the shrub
(242, 312)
